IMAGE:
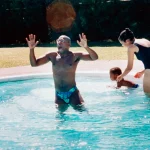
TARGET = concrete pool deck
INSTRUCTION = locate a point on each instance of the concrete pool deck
(83, 66)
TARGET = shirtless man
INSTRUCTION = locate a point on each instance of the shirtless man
(64, 64)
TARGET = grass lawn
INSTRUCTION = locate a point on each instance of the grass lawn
(19, 56)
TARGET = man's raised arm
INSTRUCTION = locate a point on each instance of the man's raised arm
(33, 61)
(92, 55)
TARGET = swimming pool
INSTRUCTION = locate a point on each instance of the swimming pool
(116, 119)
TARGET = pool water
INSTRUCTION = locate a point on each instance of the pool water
(116, 118)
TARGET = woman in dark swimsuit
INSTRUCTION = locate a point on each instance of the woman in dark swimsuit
(141, 48)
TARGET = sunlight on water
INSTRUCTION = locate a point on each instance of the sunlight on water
(115, 118)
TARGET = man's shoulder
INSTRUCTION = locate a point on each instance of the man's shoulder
(51, 53)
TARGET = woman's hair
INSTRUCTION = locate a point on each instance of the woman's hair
(116, 71)
(126, 34)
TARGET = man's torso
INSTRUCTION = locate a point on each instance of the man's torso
(64, 71)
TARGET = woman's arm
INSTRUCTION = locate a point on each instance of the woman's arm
(129, 64)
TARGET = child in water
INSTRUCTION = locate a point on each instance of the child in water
(115, 72)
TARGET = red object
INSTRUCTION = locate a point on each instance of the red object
(60, 15)
(136, 75)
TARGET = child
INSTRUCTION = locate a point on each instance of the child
(115, 72)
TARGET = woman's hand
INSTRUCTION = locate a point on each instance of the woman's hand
(119, 78)
(139, 74)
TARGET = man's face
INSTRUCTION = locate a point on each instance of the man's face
(63, 44)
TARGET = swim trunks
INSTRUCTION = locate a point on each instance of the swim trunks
(66, 95)
(135, 86)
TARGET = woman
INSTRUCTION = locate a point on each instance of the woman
(141, 48)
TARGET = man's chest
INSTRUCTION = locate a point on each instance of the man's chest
(64, 63)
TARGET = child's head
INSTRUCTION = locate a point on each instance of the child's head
(126, 37)
(114, 73)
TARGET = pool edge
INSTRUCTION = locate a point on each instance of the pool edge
(46, 75)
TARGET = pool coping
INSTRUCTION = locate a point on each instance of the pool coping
(94, 68)
(100, 75)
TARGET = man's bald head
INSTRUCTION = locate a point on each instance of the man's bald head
(66, 38)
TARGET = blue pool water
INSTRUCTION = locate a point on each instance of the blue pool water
(116, 119)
